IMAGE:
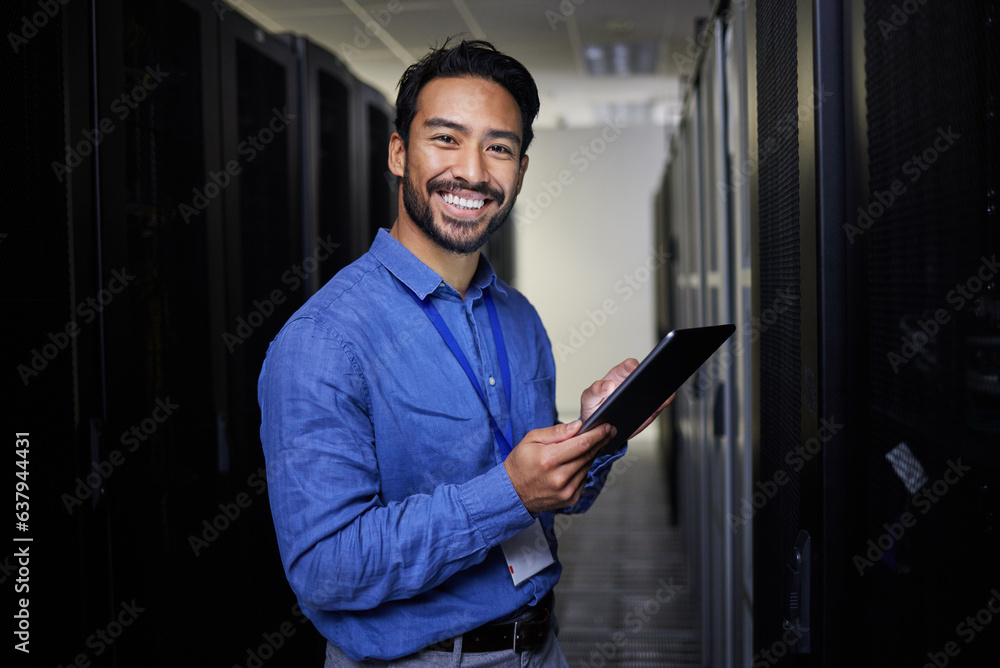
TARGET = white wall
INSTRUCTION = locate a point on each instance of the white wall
(584, 240)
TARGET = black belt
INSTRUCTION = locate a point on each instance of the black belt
(518, 636)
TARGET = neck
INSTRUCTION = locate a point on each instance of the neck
(457, 270)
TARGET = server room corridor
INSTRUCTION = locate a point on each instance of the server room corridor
(626, 596)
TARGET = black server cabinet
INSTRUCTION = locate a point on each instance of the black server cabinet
(270, 269)
(260, 134)
(787, 410)
(51, 389)
(154, 245)
(922, 222)
(159, 515)
(187, 510)
(331, 183)
(380, 187)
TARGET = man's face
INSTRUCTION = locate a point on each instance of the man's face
(461, 172)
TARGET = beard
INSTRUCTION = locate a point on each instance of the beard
(454, 235)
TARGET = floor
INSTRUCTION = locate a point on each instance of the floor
(623, 599)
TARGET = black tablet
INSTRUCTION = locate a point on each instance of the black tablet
(664, 370)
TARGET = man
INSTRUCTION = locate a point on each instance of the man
(408, 524)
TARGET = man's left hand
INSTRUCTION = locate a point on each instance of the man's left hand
(600, 390)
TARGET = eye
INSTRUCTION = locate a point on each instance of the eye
(499, 148)
(445, 139)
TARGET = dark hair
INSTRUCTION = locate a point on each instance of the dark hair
(473, 58)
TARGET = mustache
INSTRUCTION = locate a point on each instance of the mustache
(450, 185)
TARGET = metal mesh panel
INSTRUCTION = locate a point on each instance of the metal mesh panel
(780, 342)
(164, 163)
(931, 85)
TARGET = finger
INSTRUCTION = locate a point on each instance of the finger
(591, 442)
(622, 371)
(557, 433)
(595, 395)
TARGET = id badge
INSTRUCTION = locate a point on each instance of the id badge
(527, 553)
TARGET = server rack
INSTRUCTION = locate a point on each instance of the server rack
(689, 408)
(380, 187)
(926, 180)
(331, 185)
(861, 386)
(147, 466)
(260, 130)
(708, 217)
(736, 186)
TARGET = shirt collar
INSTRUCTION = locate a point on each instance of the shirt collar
(420, 278)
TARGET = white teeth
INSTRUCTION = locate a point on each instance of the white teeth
(462, 202)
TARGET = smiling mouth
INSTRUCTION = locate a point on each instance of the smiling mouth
(465, 203)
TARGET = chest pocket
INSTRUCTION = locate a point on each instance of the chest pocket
(535, 404)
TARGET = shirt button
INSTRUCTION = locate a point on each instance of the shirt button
(493, 380)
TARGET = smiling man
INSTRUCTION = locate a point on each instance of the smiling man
(414, 459)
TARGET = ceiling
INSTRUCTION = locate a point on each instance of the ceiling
(378, 39)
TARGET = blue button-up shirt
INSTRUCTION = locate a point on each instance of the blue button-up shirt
(389, 496)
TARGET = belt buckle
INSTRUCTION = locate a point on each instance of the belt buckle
(518, 635)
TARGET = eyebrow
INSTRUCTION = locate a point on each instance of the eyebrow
(439, 122)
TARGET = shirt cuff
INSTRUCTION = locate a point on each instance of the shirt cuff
(609, 458)
(494, 506)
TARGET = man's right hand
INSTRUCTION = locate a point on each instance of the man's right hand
(549, 467)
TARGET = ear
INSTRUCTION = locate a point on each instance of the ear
(520, 174)
(397, 155)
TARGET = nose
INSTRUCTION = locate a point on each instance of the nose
(470, 165)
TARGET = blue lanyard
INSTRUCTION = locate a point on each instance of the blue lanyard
(504, 439)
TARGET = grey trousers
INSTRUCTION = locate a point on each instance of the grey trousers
(548, 655)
